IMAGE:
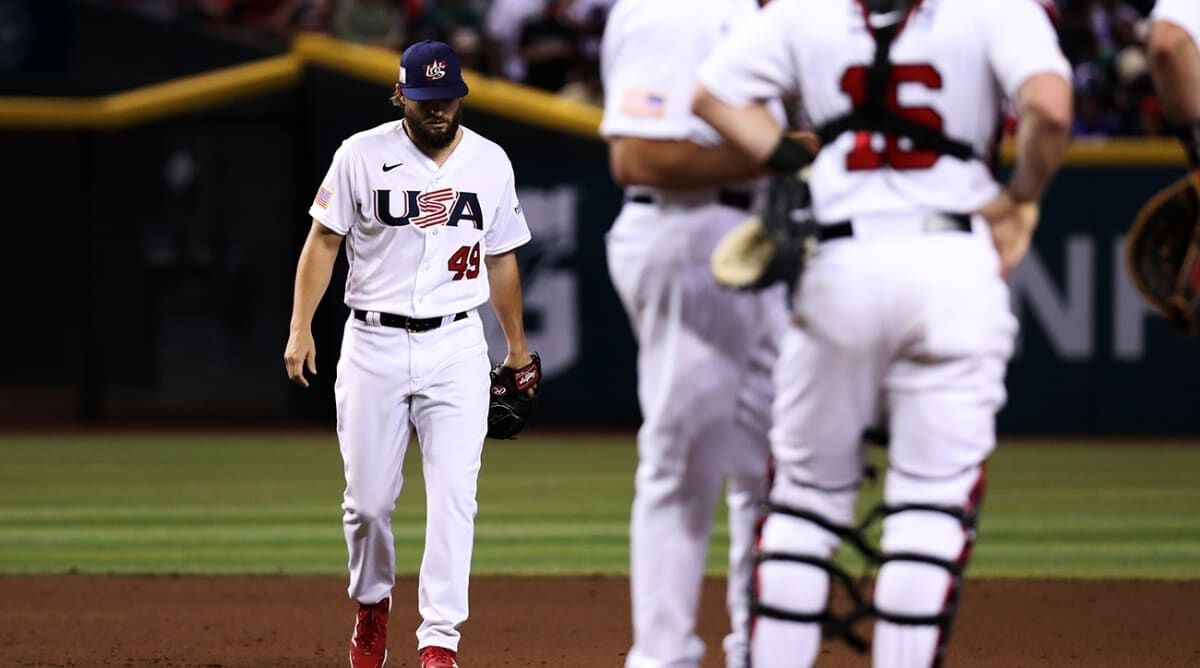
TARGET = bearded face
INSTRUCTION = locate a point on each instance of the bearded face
(433, 124)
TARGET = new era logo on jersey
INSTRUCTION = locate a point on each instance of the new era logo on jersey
(428, 209)
(435, 70)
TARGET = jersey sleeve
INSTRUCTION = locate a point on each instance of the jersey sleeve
(648, 61)
(335, 205)
(755, 62)
(1021, 43)
(508, 229)
(1183, 13)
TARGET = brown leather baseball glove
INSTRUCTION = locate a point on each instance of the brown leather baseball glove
(1162, 253)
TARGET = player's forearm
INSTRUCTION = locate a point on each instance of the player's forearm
(313, 272)
(504, 280)
(1175, 66)
(750, 129)
(678, 164)
(1043, 133)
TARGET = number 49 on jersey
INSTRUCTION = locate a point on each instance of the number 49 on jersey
(464, 263)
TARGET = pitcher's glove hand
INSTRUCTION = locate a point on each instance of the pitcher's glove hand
(513, 396)
(1162, 252)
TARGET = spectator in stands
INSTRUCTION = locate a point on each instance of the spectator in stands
(549, 47)
(589, 18)
(1152, 120)
(278, 17)
(554, 44)
(161, 10)
(1094, 114)
(1112, 23)
(458, 23)
(374, 22)
(502, 35)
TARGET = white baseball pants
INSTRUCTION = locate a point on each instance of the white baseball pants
(389, 382)
(917, 320)
(704, 360)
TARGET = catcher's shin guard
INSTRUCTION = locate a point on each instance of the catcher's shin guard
(928, 531)
(789, 600)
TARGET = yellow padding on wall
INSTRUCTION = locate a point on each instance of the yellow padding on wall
(154, 102)
(495, 96)
(1117, 152)
(378, 65)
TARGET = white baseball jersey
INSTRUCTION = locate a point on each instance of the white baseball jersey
(648, 62)
(953, 62)
(417, 233)
(1183, 13)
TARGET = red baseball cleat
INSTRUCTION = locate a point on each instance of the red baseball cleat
(368, 645)
(438, 657)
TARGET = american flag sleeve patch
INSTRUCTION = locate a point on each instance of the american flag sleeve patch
(323, 197)
(644, 103)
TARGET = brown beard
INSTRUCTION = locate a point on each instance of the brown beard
(430, 140)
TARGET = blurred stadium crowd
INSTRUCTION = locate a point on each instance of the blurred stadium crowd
(554, 45)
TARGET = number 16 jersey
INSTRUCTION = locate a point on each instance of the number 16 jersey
(952, 64)
(417, 233)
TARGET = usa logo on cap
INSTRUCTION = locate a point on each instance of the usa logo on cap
(442, 78)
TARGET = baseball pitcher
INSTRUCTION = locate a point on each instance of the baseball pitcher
(430, 218)
(902, 309)
(704, 351)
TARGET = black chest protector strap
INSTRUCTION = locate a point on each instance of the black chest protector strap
(874, 115)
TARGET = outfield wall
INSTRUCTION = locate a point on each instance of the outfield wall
(156, 231)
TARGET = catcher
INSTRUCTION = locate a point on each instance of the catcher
(1162, 249)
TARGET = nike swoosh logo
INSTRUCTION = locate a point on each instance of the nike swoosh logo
(388, 168)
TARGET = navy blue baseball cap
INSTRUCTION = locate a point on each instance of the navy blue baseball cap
(430, 70)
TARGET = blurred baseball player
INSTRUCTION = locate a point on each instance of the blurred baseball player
(1162, 247)
(430, 216)
(705, 352)
(1175, 63)
(903, 299)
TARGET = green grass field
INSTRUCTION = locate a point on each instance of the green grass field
(112, 503)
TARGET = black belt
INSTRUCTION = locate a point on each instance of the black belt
(957, 222)
(730, 198)
(405, 322)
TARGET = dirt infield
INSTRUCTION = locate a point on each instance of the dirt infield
(533, 622)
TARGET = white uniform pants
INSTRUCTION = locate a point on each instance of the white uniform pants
(390, 381)
(704, 360)
(919, 321)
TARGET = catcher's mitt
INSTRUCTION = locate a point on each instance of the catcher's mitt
(763, 251)
(1162, 253)
(511, 404)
